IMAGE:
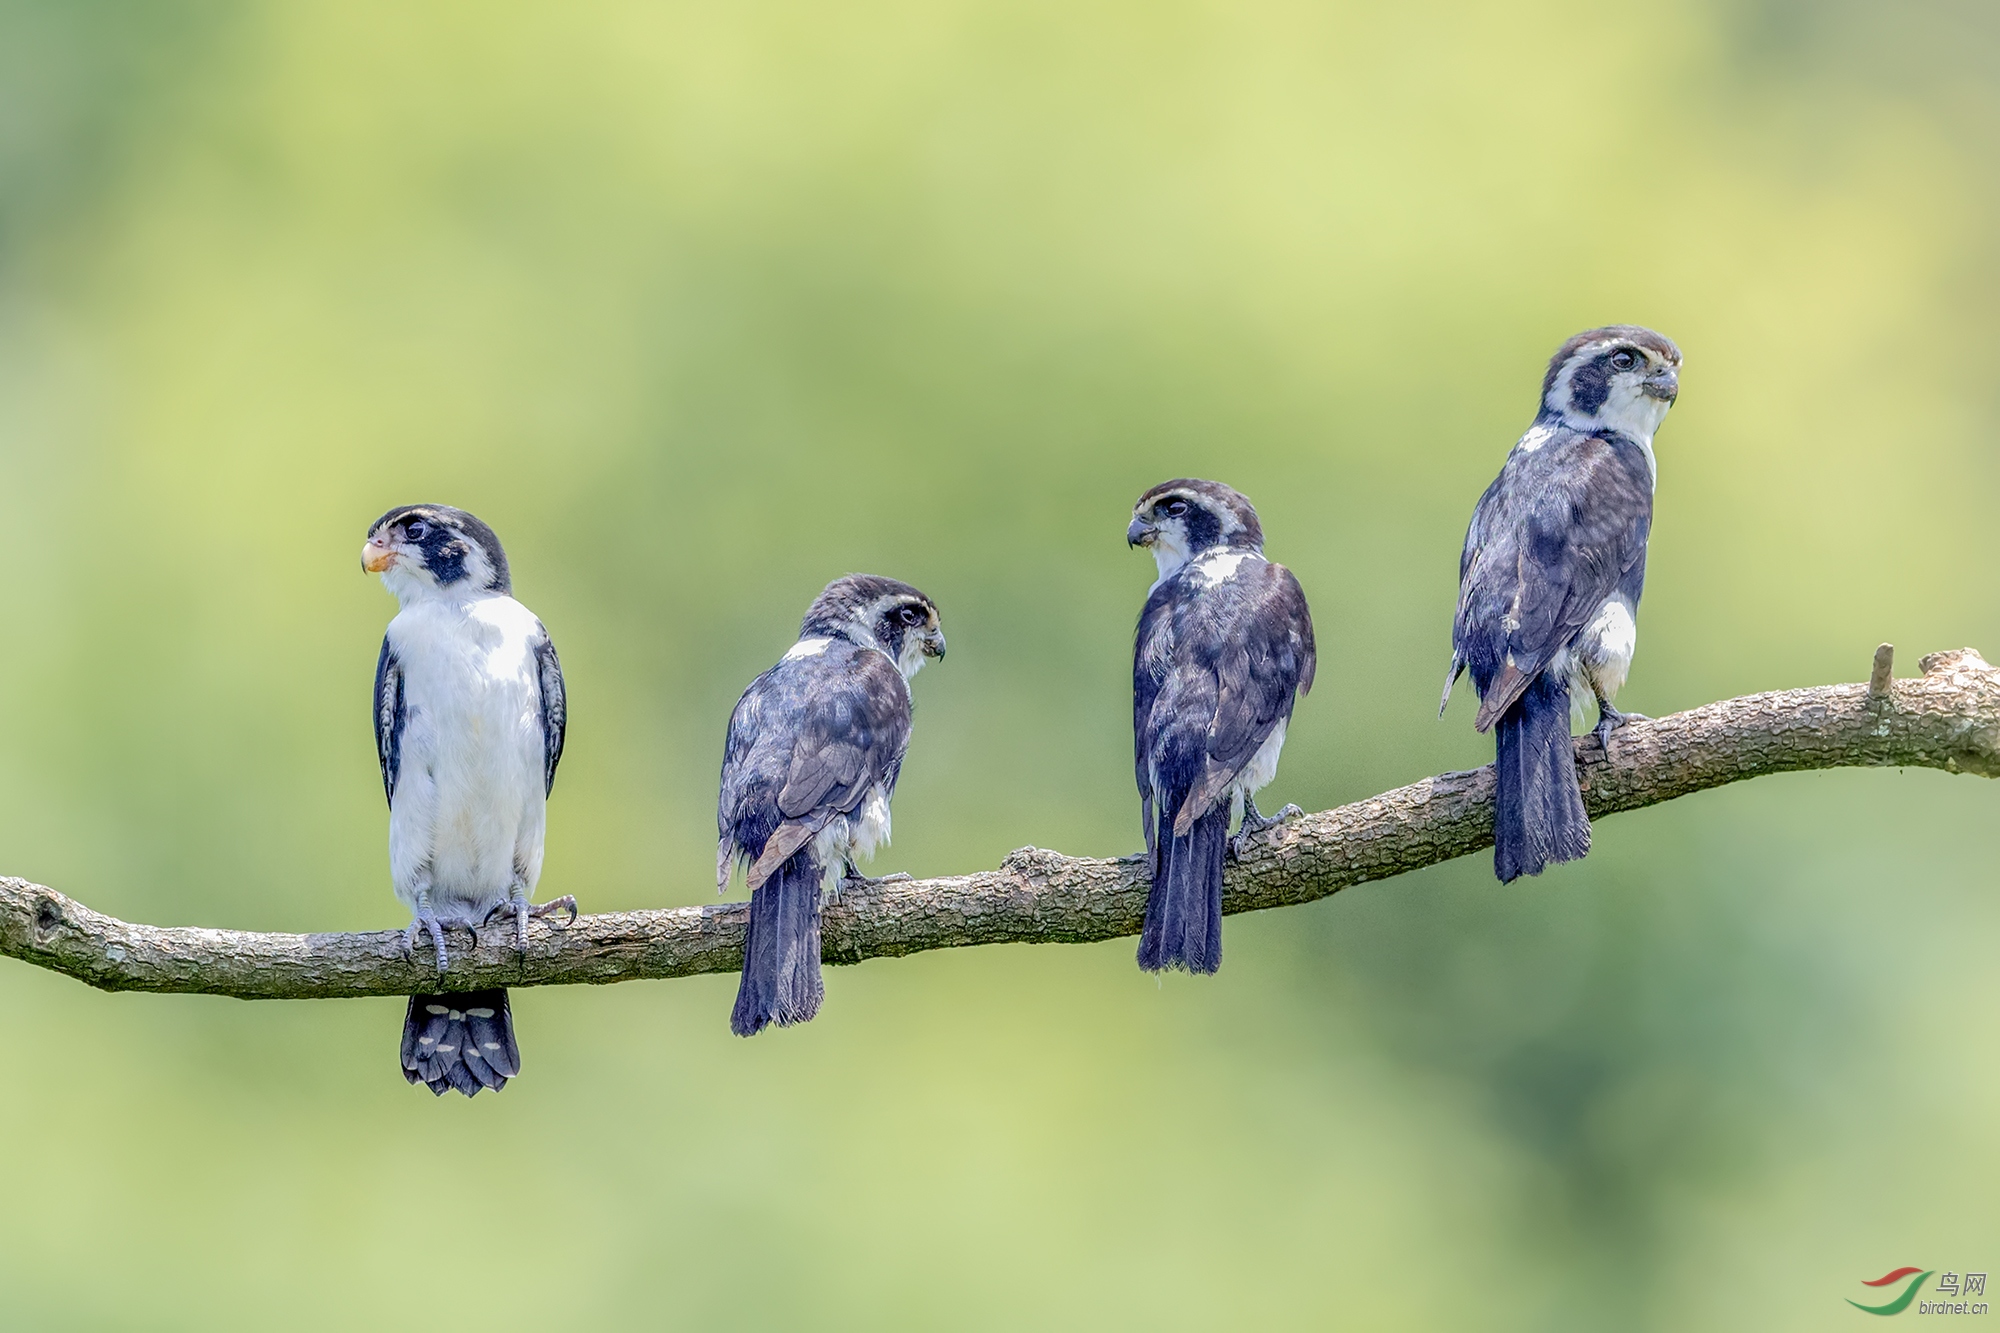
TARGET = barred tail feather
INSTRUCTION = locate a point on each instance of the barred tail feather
(1184, 912)
(781, 982)
(462, 1040)
(1538, 816)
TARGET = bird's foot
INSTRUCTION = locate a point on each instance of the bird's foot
(1255, 823)
(522, 909)
(854, 879)
(425, 921)
(1609, 719)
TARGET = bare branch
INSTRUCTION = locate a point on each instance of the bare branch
(1948, 718)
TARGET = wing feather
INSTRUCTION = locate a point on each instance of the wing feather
(1557, 533)
(555, 704)
(390, 717)
(1244, 655)
(810, 739)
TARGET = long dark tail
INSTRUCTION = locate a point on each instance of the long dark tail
(463, 1040)
(1184, 911)
(1539, 816)
(781, 981)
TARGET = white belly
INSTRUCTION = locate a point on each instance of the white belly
(466, 824)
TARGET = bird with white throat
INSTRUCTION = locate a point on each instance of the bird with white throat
(470, 713)
(1549, 581)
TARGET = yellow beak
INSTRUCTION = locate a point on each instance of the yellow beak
(376, 557)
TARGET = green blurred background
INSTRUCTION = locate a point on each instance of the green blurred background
(701, 306)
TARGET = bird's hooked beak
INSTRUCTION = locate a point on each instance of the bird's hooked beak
(1141, 533)
(1663, 384)
(934, 644)
(377, 555)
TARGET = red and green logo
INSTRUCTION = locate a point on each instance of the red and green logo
(1902, 1302)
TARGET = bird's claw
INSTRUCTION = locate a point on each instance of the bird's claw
(854, 879)
(523, 909)
(1609, 719)
(429, 923)
(1255, 823)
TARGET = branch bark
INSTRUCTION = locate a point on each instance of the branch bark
(1947, 718)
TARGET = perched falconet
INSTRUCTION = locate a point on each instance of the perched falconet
(1549, 582)
(1224, 650)
(808, 767)
(469, 715)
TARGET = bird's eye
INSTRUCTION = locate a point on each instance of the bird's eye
(1624, 359)
(910, 615)
(1175, 508)
(417, 531)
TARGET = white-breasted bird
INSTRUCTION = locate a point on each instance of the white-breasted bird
(469, 721)
(1549, 582)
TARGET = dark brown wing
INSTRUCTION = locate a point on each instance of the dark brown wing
(1266, 660)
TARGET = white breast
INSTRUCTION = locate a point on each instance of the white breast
(467, 820)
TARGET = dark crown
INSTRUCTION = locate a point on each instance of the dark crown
(833, 611)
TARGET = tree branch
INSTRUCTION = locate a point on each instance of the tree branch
(1948, 718)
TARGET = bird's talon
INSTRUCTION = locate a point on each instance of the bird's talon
(1609, 719)
(566, 903)
(854, 879)
(436, 930)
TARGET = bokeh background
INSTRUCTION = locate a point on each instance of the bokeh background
(701, 306)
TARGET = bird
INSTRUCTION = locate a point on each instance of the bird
(1549, 583)
(470, 712)
(1223, 651)
(808, 769)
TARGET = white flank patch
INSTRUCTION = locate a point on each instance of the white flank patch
(1263, 765)
(852, 838)
(806, 648)
(1599, 658)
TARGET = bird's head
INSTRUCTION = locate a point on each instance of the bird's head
(1180, 519)
(435, 551)
(1621, 377)
(878, 613)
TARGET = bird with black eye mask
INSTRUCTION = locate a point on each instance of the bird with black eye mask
(1549, 582)
(809, 765)
(1223, 651)
(470, 714)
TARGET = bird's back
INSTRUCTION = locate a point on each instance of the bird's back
(810, 732)
(1562, 528)
(1223, 649)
